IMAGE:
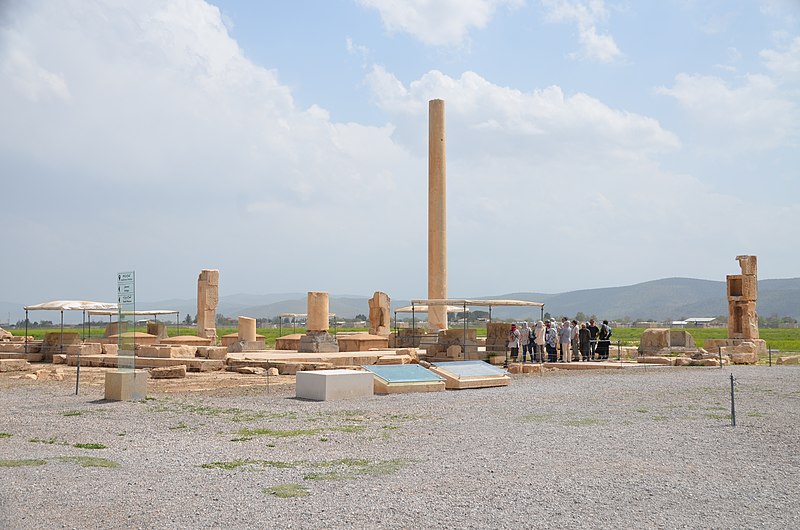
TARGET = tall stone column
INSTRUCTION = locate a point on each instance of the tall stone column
(207, 299)
(437, 215)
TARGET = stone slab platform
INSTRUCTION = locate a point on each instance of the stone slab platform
(110, 361)
(337, 359)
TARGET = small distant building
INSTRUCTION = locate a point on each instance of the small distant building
(702, 322)
(678, 324)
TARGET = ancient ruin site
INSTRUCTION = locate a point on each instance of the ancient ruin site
(425, 425)
(399, 264)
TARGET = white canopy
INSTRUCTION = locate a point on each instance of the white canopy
(424, 309)
(71, 305)
(112, 312)
(483, 303)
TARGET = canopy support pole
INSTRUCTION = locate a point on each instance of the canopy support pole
(464, 352)
(26, 332)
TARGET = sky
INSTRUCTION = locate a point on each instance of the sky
(589, 143)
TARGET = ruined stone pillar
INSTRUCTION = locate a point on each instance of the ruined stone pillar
(317, 311)
(437, 215)
(317, 339)
(247, 329)
(207, 299)
(380, 314)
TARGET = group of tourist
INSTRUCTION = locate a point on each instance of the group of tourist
(564, 342)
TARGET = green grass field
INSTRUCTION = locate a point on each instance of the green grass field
(783, 340)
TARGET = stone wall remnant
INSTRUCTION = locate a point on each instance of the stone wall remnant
(207, 300)
(380, 318)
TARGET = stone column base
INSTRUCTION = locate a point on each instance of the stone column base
(318, 342)
(126, 386)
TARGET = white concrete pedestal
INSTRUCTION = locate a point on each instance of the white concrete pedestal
(129, 385)
(324, 385)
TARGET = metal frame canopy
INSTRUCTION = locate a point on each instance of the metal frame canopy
(154, 312)
(463, 302)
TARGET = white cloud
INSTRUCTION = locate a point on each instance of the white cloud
(751, 117)
(441, 22)
(156, 121)
(784, 64)
(587, 15)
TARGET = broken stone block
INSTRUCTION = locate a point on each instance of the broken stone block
(251, 370)
(168, 372)
(50, 374)
(87, 348)
(454, 352)
(14, 365)
(212, 352)
(110, 349)
(683, 361)
(789, 359)
(272, 372)
(59, 358)
(666, 361)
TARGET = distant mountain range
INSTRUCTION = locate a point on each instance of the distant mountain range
(666, 299)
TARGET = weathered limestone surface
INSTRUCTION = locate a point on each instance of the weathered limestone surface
(207, 300)
(189, 340)
(5, 335)
(317, 342)
(742, 295)
(50, 374)
(789, 359)
(14, 365)
(247, 329)
(115, 328)
(212, 352)
(361, 342)
(126, 386)
(288, 342)
(380, 319)
(317, 311)
(437, 215)
(139, 338)
(658, 341)
(159, 329)
(497, 337)
(759, 346)
(87, 348)
(169, 352)
(168, 372)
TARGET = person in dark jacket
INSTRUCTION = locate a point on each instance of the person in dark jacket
(584, 338)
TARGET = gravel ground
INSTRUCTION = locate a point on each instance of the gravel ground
(630, 448)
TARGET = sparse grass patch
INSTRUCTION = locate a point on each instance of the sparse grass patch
(536, 418)
(715, 416)
(242, 439)
(89, 446)
(72, 413)
(89, 461)
(5, 435)
(660, 418)
(179, 425)
(756, 414)
(285, 491)
(248, 464)
(23, 462)
(53, 440)
(643, 411)
(234, 414)
(583, 422)
(278, 433)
